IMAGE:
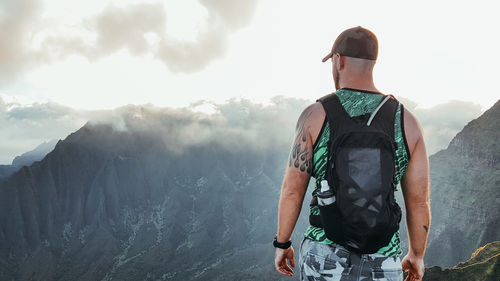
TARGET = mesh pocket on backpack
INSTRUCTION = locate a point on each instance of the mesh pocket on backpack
(364, 167)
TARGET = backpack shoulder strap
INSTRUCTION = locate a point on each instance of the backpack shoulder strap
(333, 107)
(385, 116)
(337, 116)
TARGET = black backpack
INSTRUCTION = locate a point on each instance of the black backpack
(356, 202)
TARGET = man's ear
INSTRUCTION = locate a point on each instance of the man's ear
(341, 60)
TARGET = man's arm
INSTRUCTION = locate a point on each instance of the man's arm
(296, 179)
(297, 175)
(415, 187)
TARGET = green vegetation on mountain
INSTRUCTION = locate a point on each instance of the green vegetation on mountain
(484, 265)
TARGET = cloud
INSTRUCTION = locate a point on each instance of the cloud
(443, 121)
(140, 29)
(113, 29)
(24, 127)
(126, 27)
(234, 14)
(237, 123)
(39, 111)
(16, 20)
(182, 56)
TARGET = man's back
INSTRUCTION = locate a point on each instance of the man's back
(357, 104)
(353, 56)
(407, 134)
(408, 138)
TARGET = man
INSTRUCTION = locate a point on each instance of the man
(353, 57)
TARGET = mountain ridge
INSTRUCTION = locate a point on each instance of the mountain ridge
(27, 158)
(464, 191)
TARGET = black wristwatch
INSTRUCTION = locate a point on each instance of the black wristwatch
(285, 245)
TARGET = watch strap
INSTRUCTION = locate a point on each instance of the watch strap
(284, 245)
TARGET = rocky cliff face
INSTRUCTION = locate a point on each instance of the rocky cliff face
(465, 191)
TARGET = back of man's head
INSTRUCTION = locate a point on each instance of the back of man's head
(356, 42)
(354, 54)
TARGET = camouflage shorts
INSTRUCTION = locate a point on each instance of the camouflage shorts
(322, 262)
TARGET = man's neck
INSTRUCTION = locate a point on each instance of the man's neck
(360, 83)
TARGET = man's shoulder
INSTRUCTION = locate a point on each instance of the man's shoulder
(413, 130)
(313, 113)
(312, 118)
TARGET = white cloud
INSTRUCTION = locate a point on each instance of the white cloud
(26, 126)
(138, 28)
(16, 20)
(277, 50)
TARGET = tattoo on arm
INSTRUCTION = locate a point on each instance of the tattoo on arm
(300, 156)
(426, 228)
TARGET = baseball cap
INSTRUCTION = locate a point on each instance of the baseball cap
(356, 42)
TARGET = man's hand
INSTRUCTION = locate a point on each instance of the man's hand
(415, 185)
(415, 267)
(280, 258)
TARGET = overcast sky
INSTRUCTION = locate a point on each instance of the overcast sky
(94, 54)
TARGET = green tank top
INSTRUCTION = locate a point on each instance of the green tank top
(357, 102)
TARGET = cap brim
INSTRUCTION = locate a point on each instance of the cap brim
(327, 57)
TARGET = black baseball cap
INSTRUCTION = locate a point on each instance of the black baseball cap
(356, 42)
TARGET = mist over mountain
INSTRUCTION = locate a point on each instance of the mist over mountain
(27, 125)
(441, 122)
(36, 154)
